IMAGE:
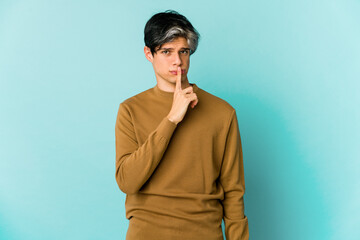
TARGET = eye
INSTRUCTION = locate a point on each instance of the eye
(185, 51)
(165, 51)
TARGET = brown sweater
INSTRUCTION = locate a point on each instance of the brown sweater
(180, 180)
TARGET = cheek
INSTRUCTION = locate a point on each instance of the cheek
(164, 66)
(162, 69)
(160, 66)
(186, 60)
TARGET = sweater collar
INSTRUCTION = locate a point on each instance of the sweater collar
(158, 91)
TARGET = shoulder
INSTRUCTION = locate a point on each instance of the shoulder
(128, 106)
(137, 98)
(216, 110)
(215, 102)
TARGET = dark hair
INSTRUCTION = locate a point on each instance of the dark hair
(165, 26)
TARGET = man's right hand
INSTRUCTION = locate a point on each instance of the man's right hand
(181, 101)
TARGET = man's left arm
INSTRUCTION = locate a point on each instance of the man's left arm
(233, 182)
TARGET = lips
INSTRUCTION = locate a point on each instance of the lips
(175, 72)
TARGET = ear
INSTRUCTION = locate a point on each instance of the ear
(148, 54)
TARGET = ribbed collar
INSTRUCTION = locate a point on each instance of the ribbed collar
(158, 91)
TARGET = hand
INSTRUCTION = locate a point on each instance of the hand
(181, 101)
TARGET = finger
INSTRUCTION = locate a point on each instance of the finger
(188, 90)
(192, 99)
(178, 80)
(194, 103)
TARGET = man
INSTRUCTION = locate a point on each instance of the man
(178, 149)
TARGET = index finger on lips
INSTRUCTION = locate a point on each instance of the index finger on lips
(178, 79)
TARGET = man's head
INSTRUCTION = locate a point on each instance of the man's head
(170, 39)
(163, 27)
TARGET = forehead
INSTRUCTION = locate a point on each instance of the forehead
(179, 42)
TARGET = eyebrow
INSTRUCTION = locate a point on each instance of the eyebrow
(172, 48)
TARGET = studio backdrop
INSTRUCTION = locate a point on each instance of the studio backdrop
(291, 69)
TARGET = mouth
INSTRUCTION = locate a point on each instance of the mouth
(175, 72)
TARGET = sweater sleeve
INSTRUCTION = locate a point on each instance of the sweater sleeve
(233, 182)
(134, 163)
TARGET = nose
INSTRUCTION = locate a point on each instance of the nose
(177, 59)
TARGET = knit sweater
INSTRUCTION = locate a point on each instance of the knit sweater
(180, 180)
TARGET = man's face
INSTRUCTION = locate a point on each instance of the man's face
(166, 60)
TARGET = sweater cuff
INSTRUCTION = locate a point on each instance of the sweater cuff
(166, 128)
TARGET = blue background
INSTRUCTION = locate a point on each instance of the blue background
(290, 68)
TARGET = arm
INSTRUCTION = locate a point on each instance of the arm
(135, 164)
(233, 182)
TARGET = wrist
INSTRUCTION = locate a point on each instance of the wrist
(171, 119)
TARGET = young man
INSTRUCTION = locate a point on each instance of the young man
(178, 148)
